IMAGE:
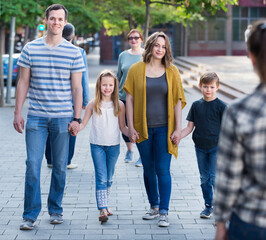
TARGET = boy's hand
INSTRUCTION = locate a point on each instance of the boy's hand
(176, 137)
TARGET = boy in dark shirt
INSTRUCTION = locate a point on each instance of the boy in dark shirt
(206, 116)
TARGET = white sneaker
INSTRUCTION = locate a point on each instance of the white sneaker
(72, 165)
(27, 225)
(163, 221)
(138, 163)
(151, 214)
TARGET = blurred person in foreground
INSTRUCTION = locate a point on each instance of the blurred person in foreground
(240, 196)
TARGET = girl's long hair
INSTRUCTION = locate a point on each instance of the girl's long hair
(98, 94)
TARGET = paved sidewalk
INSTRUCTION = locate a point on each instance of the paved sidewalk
(128, 197)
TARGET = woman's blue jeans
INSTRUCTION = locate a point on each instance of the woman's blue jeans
(207, 166)
(37, 129)
(239, 229)
(156, 164)
(104, 160)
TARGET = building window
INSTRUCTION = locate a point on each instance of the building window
(242, 17)
(211, 31)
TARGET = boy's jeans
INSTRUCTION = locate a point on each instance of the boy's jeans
(156, 164)
(207, 166)
(104, 160)
(36, 134)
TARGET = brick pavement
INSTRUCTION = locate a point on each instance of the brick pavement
(128, 197)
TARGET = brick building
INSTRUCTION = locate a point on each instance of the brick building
(222, 34)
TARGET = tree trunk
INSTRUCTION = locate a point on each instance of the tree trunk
(26, 37)
(147, 20)
(2, 47)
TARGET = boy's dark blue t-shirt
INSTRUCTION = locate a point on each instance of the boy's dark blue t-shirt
(207, 117)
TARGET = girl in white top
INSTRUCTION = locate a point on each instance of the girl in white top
(108, 118)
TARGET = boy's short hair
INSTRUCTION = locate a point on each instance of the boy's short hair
(208, 78)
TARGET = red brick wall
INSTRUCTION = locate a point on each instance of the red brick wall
(106, 47)
(205, 52)
(252, 3)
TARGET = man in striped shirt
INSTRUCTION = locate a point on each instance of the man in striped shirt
(51, 71)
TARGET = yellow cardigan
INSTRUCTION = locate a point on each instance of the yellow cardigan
(135, 85)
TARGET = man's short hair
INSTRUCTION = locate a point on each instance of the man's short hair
(68, 31)
(55, 7)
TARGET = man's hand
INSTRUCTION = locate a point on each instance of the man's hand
(73, 128)
(18, 123)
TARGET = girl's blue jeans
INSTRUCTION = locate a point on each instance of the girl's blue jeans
(156, 164)
(207, 166)
(104, 160)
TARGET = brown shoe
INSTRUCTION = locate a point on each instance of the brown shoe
(103, 215)
(109, 212)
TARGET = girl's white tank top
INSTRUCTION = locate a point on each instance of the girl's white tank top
(105, 127)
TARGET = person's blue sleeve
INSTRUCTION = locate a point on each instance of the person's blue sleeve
(85, 80)
(119, 70)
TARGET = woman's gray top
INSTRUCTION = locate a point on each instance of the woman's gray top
(156, 93)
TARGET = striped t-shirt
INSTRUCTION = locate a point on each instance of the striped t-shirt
(50, 84)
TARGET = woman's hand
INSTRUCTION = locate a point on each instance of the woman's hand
(133, 135)
(176, 137)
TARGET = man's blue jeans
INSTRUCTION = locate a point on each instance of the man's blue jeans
(207, 166)
(37, 129)
(72, 142)
(156, 164)
(239, 229)
(104, 160)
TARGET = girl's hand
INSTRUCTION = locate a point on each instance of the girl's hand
(176, 137)
(133, 135)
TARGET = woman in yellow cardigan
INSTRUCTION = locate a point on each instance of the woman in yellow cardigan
(154, 103)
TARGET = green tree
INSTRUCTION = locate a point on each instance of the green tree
(123, 15)
(25, 12)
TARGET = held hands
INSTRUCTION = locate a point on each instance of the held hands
(176, 137)
(74, 128)
(133, 135)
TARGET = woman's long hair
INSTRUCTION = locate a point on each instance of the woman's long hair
(147, 54)
(98, 94)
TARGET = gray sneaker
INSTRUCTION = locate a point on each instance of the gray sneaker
(138, 163)
(151, 214)
(27, 224)
(207, 212)
(163, 221)
(56, 218)
(129, 156)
